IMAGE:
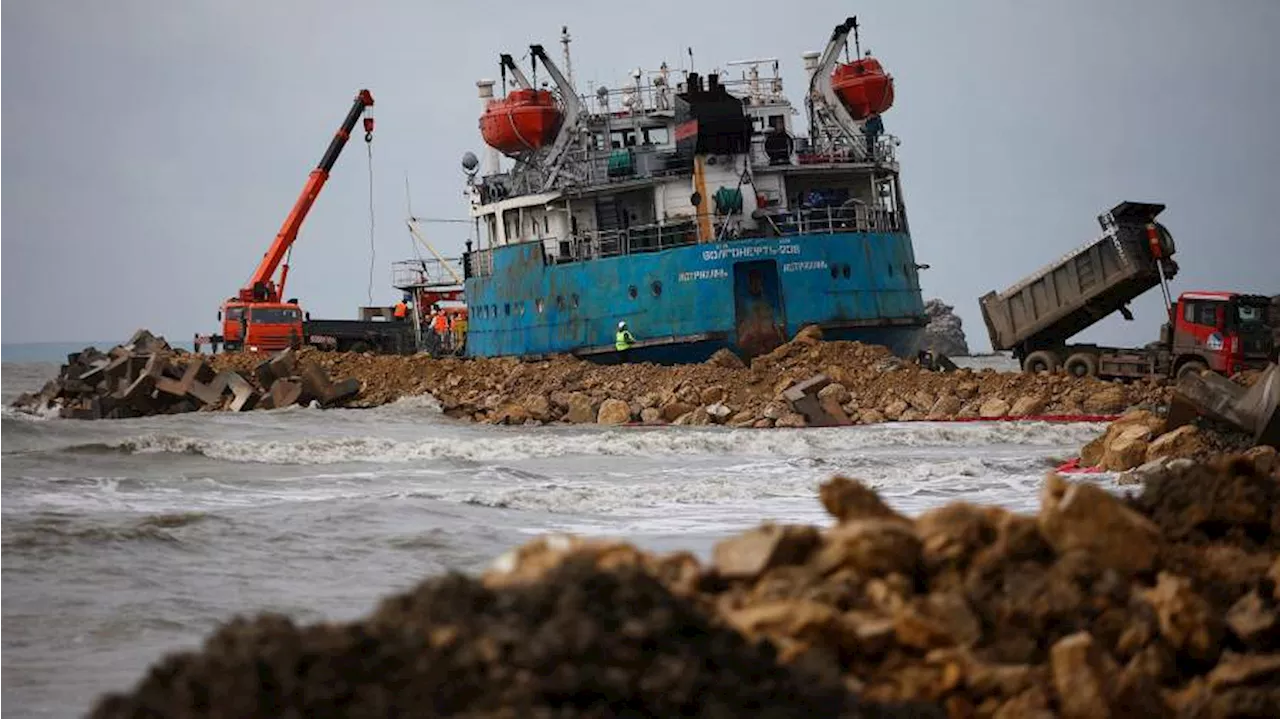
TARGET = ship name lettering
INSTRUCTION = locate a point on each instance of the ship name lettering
(737, 253)
(713, 274)
(806, 265)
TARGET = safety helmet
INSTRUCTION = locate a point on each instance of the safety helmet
(622, 324)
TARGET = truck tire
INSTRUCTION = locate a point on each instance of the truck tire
(1040, 361)
(1190, 367)
(1081, 364)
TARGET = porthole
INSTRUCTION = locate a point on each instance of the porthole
(537, 305)
(835, 271)
(656, 288)
(632, 292)
(575, 301)
(845, 272)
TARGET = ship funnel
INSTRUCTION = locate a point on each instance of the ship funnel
(811, 61)
(484, 89)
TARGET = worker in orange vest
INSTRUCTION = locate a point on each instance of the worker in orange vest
(441, 326)
(401, 312)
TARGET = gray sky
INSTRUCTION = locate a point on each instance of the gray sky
(153, 148)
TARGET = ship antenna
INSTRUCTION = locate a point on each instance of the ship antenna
(857, 46)
(690, 59)
(568, 64)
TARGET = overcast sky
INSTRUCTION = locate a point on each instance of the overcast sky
(152, 148)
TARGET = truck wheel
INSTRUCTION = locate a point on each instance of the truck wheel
(1081, 364)
(1191, 367)
(1041, 361)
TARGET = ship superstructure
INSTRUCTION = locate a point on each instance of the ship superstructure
(689, 206)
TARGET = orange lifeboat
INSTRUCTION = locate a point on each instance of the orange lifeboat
(523, 121)
(863, 87)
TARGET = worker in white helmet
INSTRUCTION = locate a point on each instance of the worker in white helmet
(622, 340)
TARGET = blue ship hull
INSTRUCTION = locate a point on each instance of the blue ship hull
(684, 303)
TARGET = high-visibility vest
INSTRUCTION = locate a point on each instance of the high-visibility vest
(401, 310)
(440, 324)
(623, 340)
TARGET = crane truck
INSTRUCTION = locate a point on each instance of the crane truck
(258, 318)
(1222, 331)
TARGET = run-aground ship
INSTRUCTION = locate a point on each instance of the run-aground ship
(689, 207)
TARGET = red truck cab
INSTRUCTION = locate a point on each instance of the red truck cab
(1222, 331)
(271, 326)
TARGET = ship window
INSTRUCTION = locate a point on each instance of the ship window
(656, 136)
(845, 272)
(493, 310)
(520, 309)
(537, 305)
(656, 288)
(575, 301)
(507, 309)
(546, 227)
(835, 271)
(560, 302)
(631, 292)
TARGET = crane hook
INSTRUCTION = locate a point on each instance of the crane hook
(368, 129)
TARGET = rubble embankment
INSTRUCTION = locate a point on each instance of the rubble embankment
(1162, 604)
(866, 385)
(804, 382)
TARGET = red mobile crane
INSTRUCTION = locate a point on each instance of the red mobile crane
(258, 311)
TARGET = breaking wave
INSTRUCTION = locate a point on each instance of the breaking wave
(641, 442)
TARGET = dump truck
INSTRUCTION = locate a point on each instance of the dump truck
(1035, 318)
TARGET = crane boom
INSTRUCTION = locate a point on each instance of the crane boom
(261, 287)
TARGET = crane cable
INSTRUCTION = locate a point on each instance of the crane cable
(368, 143)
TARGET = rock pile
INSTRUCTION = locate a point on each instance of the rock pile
(145, 376)
(944, 333)
(1167, 604)
(866, 382)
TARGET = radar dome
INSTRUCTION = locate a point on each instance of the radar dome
(470, 162)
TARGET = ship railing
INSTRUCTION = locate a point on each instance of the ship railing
(477, 263)
(427, 272)
(658, 237)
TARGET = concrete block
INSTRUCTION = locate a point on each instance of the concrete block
(96, 370)
(1254, 409)
(803, 398)
(284, 363)
(195, 371)
(285, 393)
(245, 397)
(343, 391)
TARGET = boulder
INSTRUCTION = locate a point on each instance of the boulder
(834, 391)
(581, 409)
(848, 499)
(1251, 619)
(1084, 677)
(613, 411)
(748, 555)
(993, 408)
(775, 410)
(1186, 441)
(726, 359)
(1110, 400)
(1127, 449)
(711, 395)
(871, 416)
(718, 412)
(674, 409)
(791, 419)
(1086, 518)
(947, 406)
(1029, 404)
(651, 415)
(808, 335)
(537, 406)
(911, 415)
(870, 547)
(894, 409)
(1186, 620)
